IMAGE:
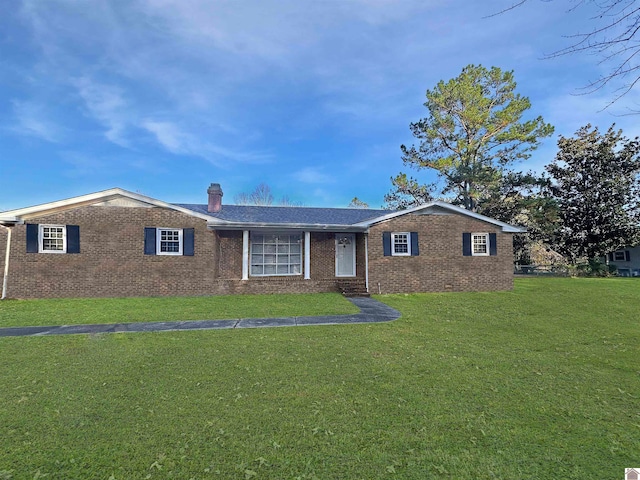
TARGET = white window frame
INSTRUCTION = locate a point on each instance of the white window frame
(393, 244)
(159, 231)
(276, 254)
(41, 239)
(480, 254)
(623, 253)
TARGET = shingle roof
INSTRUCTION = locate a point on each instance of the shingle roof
(290, 215)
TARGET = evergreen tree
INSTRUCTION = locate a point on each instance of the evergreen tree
(596, 186)
(473, 133)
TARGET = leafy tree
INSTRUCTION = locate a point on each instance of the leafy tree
(408, 193)
(613, 37)
(473, 133)
(523, 199)
(261, 196)
(357, 203)
(595, 182)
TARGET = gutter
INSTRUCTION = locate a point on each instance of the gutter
(310, 227)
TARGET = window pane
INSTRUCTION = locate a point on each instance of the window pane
(52, 238)
(480, 244)
(283, 259)
(400, 243)
(279, 254)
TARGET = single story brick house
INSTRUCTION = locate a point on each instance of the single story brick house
(119, 243)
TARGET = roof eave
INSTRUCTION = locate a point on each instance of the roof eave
(313, 227)
(10, 221)
(92, 198)
(506, 227)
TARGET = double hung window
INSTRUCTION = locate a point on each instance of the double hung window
(169, 241)
(53, 239)
(480, 244)
(401, 244)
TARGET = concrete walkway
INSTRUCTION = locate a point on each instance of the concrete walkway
(371, 311)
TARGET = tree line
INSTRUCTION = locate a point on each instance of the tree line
(475, 137)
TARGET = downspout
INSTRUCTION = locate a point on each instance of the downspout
(6, 264)
(366, 260)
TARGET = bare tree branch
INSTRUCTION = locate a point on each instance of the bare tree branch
(615, 37)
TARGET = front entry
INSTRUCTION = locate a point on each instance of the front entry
(345, 255)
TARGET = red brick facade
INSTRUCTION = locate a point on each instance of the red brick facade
(440, 266)
(111, 262)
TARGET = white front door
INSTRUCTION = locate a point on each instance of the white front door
(345, 255)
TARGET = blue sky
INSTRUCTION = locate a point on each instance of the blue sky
(314, 98)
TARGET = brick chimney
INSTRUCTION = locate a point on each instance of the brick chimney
(215, 198)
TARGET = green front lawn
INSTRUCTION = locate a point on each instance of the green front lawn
(78, 311)
(539, 383)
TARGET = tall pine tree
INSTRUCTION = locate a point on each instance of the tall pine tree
(474, 131)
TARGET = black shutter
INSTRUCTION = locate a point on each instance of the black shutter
(466, 244)
(32, 238)
(73, 239)
(611, 257)
(149, 241)
(493, 244)
(187, 242)
(386, 243)
(415, 250)
(627, 256)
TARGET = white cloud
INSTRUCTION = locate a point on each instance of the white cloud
(107, 105)
(169, 136)
(32, 120)
(312, 175)
(180, 142)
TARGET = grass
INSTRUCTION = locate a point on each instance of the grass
(539, 383)
(20, 313)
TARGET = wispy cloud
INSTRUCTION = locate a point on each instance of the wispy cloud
(180, 142)
(32, 119)
(312, 175)
(106, 104)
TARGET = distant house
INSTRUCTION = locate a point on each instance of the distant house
(118, 243)
(626, 260)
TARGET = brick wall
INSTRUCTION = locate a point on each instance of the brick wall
(440, 265)
(112, 263)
